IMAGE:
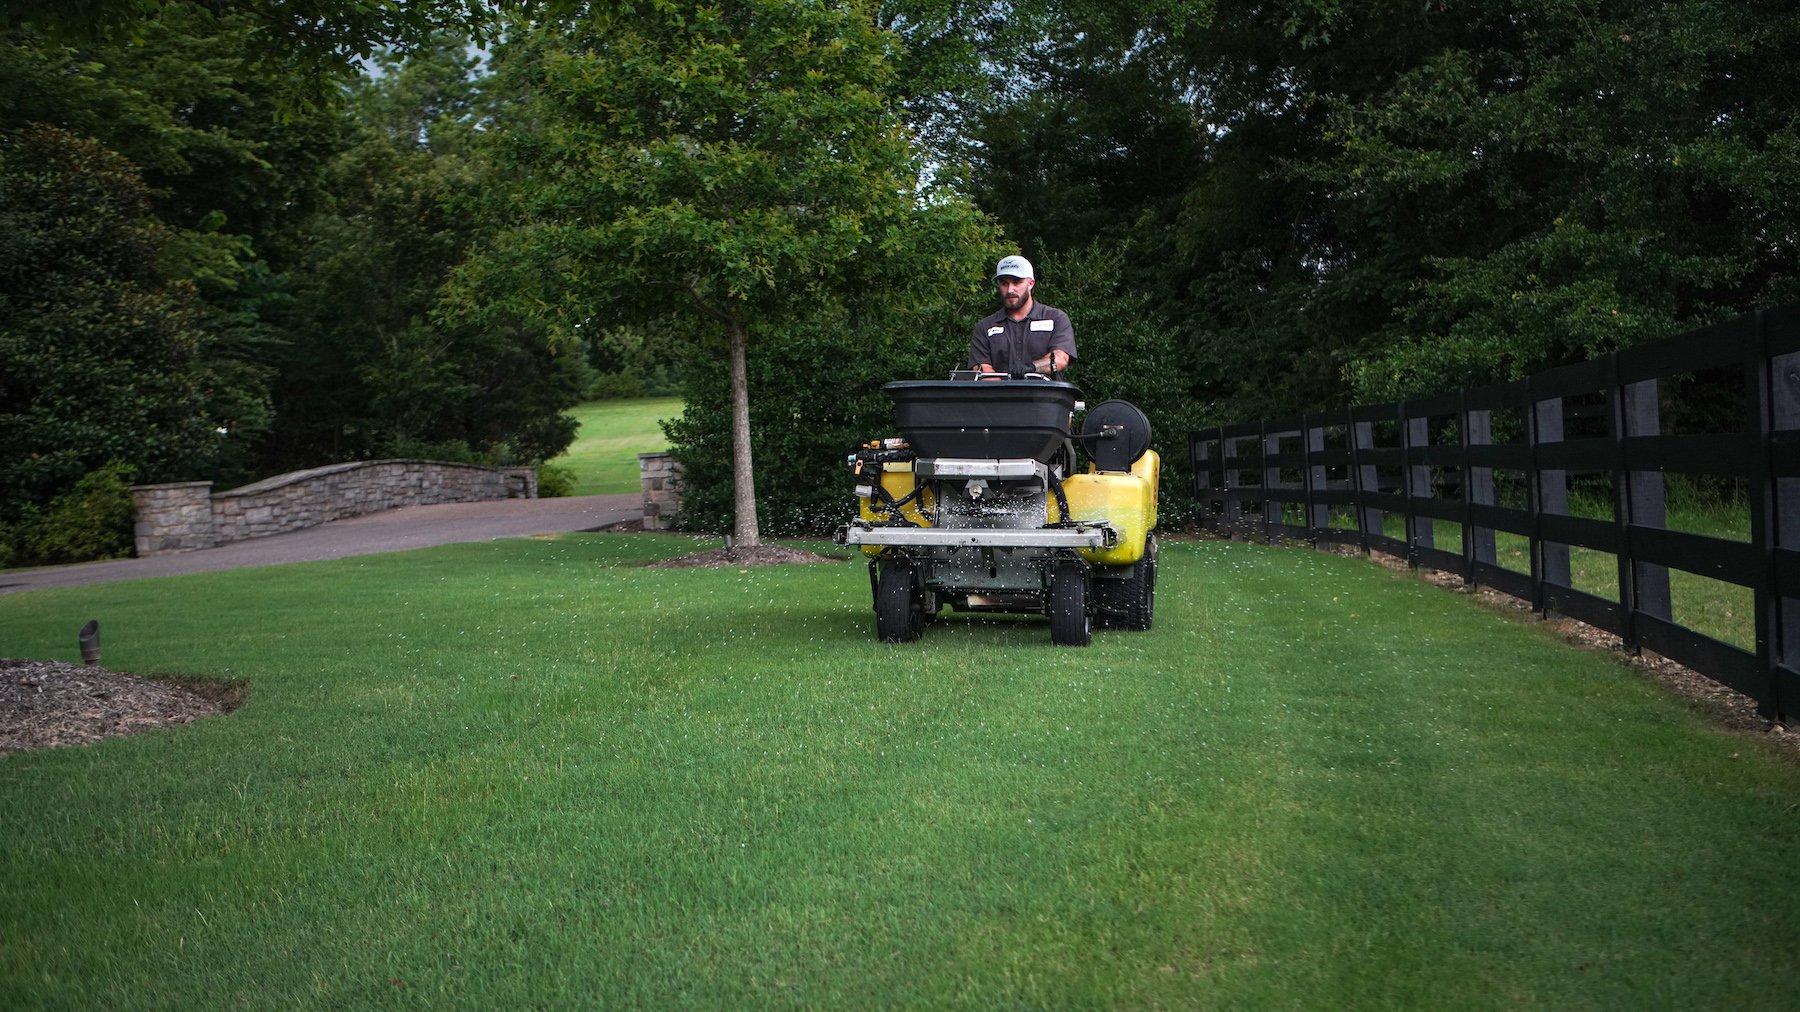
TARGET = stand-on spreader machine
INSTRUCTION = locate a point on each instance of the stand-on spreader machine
(977, 506)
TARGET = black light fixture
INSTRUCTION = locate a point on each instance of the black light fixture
(90, 642)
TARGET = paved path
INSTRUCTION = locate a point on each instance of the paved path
(394, 530)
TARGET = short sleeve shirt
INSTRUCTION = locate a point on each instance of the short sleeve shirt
(1012, 345)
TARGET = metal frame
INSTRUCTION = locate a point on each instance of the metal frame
(1085, 536)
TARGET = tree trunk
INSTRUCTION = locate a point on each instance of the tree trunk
(743, 476)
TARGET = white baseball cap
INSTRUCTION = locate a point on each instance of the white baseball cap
(1013, 267)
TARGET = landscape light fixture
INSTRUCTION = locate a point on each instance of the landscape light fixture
(90, 642)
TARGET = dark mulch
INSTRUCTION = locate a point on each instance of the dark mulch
(44, 704)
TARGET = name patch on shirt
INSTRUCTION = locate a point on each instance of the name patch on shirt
(1043, 325)
(995, 330)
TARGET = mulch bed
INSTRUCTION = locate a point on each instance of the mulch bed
(44, 704)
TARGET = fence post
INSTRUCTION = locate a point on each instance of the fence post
(1779, 525)
(1363, 481)
(1228, 486)
(1478, 487)
(1420, 530)
(1640, 500)
(1318, 515)
(1549, 491)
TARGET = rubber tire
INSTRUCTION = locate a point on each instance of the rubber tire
(1150, 554)
(899, 604)
(1130, 603)
(1141, 610)
(1067, 605)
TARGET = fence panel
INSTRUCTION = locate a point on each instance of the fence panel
(1555, 489)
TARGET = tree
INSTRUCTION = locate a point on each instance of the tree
(368, 369)
(1367, 199)
(742, 162)
(102, 357)
(296, 250)
(319, 38)
(1573, 178)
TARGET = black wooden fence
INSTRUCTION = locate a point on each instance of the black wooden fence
(1573, 457)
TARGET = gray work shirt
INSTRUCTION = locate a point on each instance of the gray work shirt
(1012, 345)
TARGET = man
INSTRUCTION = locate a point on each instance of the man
(1025, 335)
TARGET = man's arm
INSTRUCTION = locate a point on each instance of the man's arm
(1062, 339)
(980, 357)
(1062, 344)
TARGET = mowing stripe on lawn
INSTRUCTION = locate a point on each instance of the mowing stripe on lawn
(534, 772)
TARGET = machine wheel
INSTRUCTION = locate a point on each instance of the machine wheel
(899, 604)
(1142, 611)
(1067, 605)
(1150, 590)
(1129, 603)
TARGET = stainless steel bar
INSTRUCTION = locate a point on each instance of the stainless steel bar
(937, 537)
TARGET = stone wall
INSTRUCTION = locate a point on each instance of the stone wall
(183, 516)
(660, 475)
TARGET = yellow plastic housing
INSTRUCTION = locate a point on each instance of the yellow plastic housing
(1149, 468)
(899, 481)
(1127, 500)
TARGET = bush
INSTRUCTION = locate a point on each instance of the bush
(91, 521)
(554, 482)
(455, 451)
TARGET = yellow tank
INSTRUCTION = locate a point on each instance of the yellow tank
(1125, 499)
(1149, 468)
(899, 481)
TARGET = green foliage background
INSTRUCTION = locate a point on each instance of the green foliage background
(216, 221)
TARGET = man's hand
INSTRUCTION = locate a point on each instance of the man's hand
(1056, 361)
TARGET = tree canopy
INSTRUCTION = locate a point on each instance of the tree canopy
(230, 252)
(1359, 200)
(743, 163)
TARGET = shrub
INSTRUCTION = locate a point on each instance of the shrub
(455, 451)
(91, 521)
(615, 386)
(554, 482)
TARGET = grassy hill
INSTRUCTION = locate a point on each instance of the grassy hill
(612, 434)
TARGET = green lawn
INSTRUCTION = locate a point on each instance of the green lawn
(531, 773)
(612, 434)
(1723, 611)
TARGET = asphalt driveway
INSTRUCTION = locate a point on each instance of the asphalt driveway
(394, 530)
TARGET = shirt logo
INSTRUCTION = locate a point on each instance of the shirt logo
(995, 330)
(1043, 325)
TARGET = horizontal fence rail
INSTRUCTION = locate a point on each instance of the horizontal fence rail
(1567, 464)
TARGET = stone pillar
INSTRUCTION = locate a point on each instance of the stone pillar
(174, 517)
(660, 475)
(521, 482)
